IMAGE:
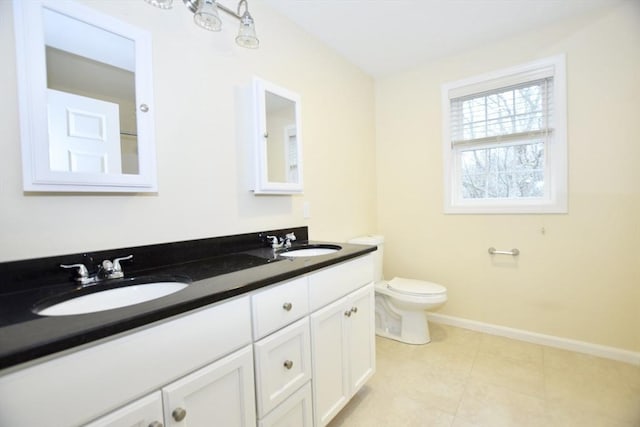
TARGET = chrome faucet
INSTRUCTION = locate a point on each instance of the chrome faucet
(282, 242)
(113, 270)
(288, 238)
(106, 270)
(276, 243)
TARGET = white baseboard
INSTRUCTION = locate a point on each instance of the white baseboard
(536, 338)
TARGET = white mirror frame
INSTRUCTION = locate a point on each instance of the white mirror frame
(32, 93)
(262, 184)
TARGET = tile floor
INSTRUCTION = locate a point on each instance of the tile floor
(465, 378)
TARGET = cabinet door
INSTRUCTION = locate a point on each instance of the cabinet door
(220, 394)
(330, 363)
(361, 325)
(141, 413)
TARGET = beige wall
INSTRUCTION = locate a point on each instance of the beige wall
(580, 279)
(203, 182)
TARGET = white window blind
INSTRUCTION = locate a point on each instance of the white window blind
(507, 114)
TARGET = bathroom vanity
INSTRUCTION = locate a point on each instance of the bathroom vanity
(287, 341)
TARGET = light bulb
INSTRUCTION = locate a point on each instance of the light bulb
(206, 16)
(247, 32)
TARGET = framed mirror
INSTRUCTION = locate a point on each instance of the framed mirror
(278, 139)
(86, 100)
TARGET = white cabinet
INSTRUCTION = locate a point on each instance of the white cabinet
(53, 37)
(283, 355)
(277, 139)
(343, 348)
(220, 394)
(299, 349)
(334, 346)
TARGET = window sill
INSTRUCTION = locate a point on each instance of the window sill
(501, 208)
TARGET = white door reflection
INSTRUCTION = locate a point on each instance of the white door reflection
(291, 149)
(84, 134)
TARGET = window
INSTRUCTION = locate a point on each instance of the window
(505, 141)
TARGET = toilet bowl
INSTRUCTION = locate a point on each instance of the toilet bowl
(402, 304)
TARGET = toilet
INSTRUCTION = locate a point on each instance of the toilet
(402, 304)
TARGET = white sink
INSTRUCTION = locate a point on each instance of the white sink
(311, 251)
(112, 298)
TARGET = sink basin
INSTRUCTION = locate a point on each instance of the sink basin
(310, 250)
(111, 298)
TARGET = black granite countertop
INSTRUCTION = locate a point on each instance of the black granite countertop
(222, 269)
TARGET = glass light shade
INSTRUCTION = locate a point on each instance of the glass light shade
(162, 4)
(247, 32)
(206, 16)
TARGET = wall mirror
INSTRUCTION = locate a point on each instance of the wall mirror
(278, 139)
(86, 100)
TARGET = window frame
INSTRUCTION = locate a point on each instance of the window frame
(555, 171)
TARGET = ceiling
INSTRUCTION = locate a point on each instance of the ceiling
(386, 36)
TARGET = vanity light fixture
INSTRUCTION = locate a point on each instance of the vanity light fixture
(205, 15)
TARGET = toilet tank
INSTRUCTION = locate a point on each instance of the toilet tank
(374, 240)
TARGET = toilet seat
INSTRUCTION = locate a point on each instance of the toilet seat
(415, 287)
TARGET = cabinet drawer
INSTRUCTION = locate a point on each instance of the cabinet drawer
(337, 281)
(295, 411)
(283, 364)
(279, 306)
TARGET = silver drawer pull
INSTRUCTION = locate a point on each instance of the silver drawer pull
(354, 310)
(287, 306)
(288, 364)
(156, 424)
(178, 414)
(348, 313)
